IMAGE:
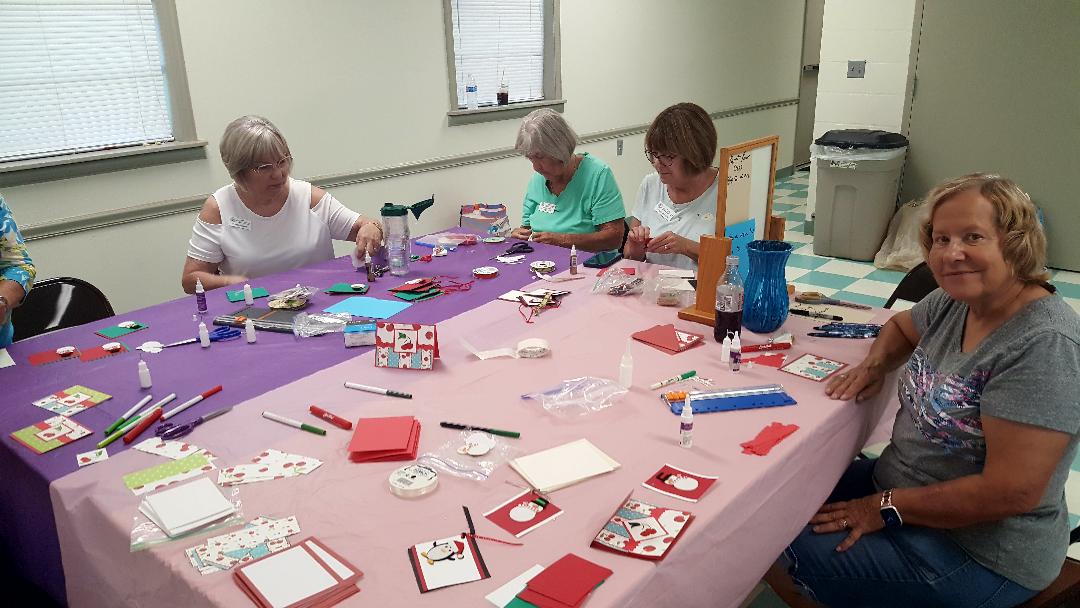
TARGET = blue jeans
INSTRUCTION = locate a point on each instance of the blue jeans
(906, 567)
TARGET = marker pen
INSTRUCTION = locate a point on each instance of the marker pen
(337, 421)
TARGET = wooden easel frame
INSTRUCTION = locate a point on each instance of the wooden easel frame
(714, 248)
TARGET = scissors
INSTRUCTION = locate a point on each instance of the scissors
(220, 334)
(516, 248)
(815, 297)
(168, 430)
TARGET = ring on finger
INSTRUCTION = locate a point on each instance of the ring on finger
(843, 524)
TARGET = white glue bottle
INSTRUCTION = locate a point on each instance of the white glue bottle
(725, 349)
(686, 425)
(736, 353)
(249, 297)
(200, 297)
(249, 331)
(573, 259)
(204, 335)
(144, 375)
(626, 368)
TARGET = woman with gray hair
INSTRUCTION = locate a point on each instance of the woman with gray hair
(265, 221)
(573, 198)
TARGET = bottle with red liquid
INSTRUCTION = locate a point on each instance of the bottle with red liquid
(729, 301)
(503, 94)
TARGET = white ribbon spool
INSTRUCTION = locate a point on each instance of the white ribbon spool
(413, 481)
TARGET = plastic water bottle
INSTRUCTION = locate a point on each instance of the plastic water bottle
(395, 219)
(729, 301)
(470, 93)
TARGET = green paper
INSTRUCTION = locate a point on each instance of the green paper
(116, 331)
(167, 469)
(345, 288)
(517, 602)
(238, 295)
(416, 296)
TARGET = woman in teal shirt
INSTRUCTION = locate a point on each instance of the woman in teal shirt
(16, 271)
(572, 199)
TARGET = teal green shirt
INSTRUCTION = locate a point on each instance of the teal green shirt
(591, 198)
(15, 263)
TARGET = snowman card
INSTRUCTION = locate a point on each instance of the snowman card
(813, 367)
(523, 513)
(642, 530)
(406, 345)
(447, 561)
(676, 482)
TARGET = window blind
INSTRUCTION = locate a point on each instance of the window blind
(80, 75)
(497, 37)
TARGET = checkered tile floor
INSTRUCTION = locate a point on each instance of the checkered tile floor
(863, 282)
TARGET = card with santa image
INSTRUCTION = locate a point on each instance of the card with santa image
(676, 482)
(406, 345)
(523, 513)
(447, 561)
(642, 530)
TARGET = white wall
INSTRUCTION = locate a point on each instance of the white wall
(358, 85)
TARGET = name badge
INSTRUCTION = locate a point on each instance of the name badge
(239, 223)
(546, 208)
(665, 212)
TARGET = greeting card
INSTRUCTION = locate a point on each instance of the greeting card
(813, 367)
(406, 345)
(71, 400)
(50, 434)
(447, 561)
(642, 530)
(668, 339)
(523, 513)
(679, 483)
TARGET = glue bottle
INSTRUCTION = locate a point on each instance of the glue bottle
(686, 425)
(144, 375)
(200, 297)
(725, 349)
(736, 352)
(249, 296)
(626, 368)
(369, 267)
(204, 335)
(573, 259)
(249, 331)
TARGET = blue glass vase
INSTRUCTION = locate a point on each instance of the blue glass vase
(765, 307)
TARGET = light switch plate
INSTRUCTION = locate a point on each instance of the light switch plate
(856, 69)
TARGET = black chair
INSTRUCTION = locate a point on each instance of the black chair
(58, 303)
(916, 285)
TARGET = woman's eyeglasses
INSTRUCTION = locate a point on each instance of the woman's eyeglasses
(664, 159)
(266, 168)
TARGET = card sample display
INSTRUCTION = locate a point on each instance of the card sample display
(813, 367)
(50, 434)
(306, 575)
(268, 465)
(523, 513)
(382, 439)
(406, 345)
(100, 352)
(563, 465)
(72, 400)
(668, 339)
(347, 288)
(566, 583)
(643, 530)
(447, 561)
(673, 481)
(183, 508)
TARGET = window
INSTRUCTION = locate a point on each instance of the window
(79, 76)
(496, 42)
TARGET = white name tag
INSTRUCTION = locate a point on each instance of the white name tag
(546, 208)
(239, 223)
(665, 211)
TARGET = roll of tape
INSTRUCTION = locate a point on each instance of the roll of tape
(485, 272)
(533, 348)
(414, 480)
(543, 266)
(494, 239)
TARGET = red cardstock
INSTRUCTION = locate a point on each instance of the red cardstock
(668, 339)
(50, 356)
(98, 352)
(682, 484)
(567, 582)
(381, 439)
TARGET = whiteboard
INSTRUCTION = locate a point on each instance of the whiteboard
(747, 171)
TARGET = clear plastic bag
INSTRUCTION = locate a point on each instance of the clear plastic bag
(578, 396)
(472, 455)
(616, 282)
(306, 325)
(146, 534)
(293, 298)
(669, 291)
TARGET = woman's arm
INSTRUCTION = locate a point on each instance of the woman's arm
(894, 344)
(607, 236)
(17, 271)
(346, 224)
(207, 272)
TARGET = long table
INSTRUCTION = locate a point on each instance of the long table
(28, 530)
(741, 526)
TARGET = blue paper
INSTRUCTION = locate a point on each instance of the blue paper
(741, 234)
(373, 308)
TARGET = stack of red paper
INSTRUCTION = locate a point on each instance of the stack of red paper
(668, 339)
(306, 575)
(565, 583)
(379, 439)
(768, 438)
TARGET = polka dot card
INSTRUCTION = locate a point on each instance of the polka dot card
(642, 530)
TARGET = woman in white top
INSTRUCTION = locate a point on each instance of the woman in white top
(677, 204)
(265, 221)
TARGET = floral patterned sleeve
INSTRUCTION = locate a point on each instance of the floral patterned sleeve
(15, 262)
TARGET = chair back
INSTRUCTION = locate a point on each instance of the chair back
(916, 285)
(57, 303)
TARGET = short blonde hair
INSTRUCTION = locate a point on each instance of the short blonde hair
(1024, 243)
(249, 140)
(546, 132)
(687, 130)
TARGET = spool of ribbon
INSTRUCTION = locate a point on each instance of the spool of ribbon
(413, 481)
(543, 266)
(485, 272)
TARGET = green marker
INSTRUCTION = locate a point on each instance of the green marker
(296, 424)
(673, 379)
(122, 419)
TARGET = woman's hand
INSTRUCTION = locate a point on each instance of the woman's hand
(522, 233)
(369, 238)
(860, 517)
(550, 238)
(669, 242)
(860, 382)
(636, 241)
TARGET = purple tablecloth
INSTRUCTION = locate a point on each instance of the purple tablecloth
(244, 370)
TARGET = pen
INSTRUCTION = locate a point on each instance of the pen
(128, 414)
(377, 390)
(144, 423)
(131, 422)
(816, 315)
(296, 424)
(469, 427)
(197, 398)
(673, 379)
(337, 421)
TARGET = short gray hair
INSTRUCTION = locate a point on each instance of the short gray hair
(546, 132)
(249, 140)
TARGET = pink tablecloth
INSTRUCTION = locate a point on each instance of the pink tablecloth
(745, 521)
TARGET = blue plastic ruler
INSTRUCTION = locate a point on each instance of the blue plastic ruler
(744, 398)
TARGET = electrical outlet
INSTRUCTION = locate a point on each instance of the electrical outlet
(618, 147)
(856, 69)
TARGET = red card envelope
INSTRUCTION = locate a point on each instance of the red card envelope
(391, 438)
(682, 484)
(98, 352)
(568, 580)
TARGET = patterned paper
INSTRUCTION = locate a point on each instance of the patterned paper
(50, 434)
(71, 400)
(169, 449)
(261, 536)
(640, 529)
(89, 458)
(268, 465)
(406, 345)
(168, 473)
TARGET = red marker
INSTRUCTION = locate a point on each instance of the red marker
(143, 425)
(753, 348)
(337, 421)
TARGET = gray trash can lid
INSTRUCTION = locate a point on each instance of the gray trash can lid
(862, 138)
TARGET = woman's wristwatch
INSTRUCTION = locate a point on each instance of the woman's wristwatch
(890, 514)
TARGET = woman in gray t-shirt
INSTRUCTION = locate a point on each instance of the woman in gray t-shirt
(966, 507)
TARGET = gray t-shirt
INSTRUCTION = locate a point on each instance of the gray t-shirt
(1025, 371)
(655, 210)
